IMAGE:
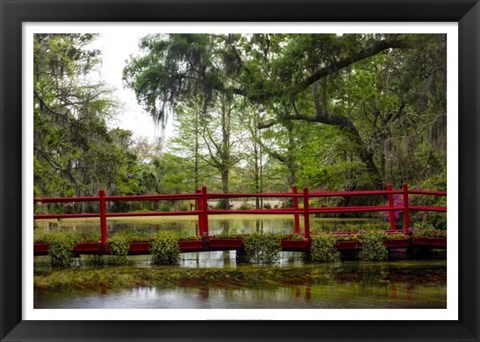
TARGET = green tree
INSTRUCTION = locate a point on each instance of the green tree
(75, 153)
(370, 108)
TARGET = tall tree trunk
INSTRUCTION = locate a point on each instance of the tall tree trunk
(225, 203)
(196, 162)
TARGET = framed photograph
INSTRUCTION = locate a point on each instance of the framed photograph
(159, 145)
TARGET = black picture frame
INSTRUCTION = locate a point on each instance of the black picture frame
(15, 12)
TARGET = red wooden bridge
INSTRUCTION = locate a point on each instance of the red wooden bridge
(211, 243)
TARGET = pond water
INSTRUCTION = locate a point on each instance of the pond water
(214, 280)
(185, 226)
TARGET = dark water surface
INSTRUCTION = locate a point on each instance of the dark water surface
(213, 280)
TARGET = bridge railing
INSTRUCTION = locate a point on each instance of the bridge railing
(203, 211)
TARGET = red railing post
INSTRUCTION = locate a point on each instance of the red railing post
(103, 219)
(306, 215)
(199, 208)
(391, 214)
(296, 216)
(406, 209)
(205, 211)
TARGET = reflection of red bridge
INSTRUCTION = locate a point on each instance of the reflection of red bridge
(202, 211)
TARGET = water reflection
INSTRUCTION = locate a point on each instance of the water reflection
(342, 285)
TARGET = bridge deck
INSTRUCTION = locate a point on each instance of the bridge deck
(214, 244)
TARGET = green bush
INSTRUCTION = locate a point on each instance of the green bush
(164, 249)
(324, 248)
(118, 247)
(426, 229)
(373, 248)
(165, 206)
(394, 236)
(60, 248)
(262, 248)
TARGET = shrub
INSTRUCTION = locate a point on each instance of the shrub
(425, 229)
(373, 248)
(324, 248)
(262, 248)
(60, 248)
(394, 236)
(234, 234)
(164, 249)
(118, 246)
(349, 237)
(165, 206)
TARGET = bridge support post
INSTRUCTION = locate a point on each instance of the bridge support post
(306, 215)
(391, 214)
(406, 213)
(205, 212)
(103, 220)
(296, 216)
(199, 208)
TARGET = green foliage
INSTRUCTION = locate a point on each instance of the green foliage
(262, 248)
(373, 248)
(395, 236)
(76, 236)
(349, 237)
(75, 153)
(258, 113)
(437, 219)
(426, 229)
(324, 248)
(228, 235)
(60, 249)
(164, 249)
(191, 237)
(118, 246)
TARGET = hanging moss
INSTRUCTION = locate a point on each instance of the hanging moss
(324, 248)
(262, 248)
(373, 248)
(164, 249)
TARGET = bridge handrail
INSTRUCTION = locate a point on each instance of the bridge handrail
(202, 211)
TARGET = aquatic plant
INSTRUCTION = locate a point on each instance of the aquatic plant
(373, 248)
(324, 248)
(118, 247)
(164, 249)
(60, 248)
(262, 248)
